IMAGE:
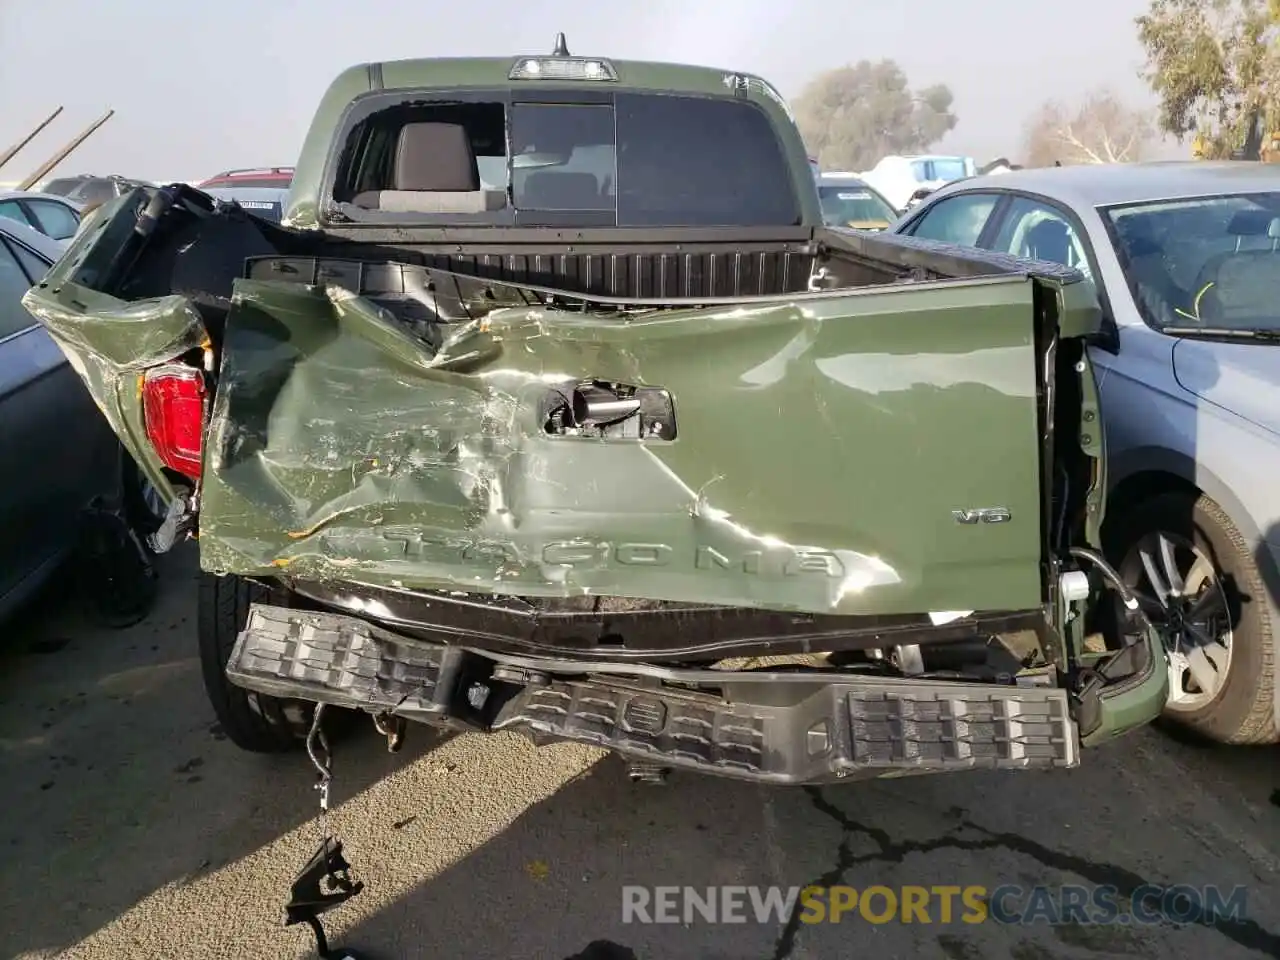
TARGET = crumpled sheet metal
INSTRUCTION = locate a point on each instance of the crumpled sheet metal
(127, 336)
(341, 448)
(112, 342)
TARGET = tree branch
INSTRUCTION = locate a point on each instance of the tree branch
(1107, 146)
(1068, 137)
(1129, 144)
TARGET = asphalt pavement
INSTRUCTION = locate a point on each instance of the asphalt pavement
(133, 828)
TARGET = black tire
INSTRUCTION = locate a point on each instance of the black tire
(252, 721)
(1242, 711)
(118, 581)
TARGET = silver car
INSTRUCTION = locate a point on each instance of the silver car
(87, 188)
(59, 455)
(1185, 258)
(53, 216)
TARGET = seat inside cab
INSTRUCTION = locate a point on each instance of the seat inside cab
(433, 170)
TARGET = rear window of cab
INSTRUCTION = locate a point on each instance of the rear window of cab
(618, 159)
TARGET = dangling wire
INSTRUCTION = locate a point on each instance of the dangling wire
(322, 760)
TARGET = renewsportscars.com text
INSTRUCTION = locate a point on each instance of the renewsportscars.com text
(942, 904)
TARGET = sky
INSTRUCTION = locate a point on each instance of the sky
(200, 87)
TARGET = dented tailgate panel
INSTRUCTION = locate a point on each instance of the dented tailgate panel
(824, 446)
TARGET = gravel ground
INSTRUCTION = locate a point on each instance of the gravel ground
(136, 829)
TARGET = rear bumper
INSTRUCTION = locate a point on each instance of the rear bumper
(775, 728)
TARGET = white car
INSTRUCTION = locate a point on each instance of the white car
(898, 178)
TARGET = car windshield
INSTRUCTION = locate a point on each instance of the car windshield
(844, 206)
(948, 169)
(938, 168)
(1212, 262)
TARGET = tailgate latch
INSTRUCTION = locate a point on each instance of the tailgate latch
(820, 280)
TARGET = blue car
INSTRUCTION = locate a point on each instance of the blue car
(1185, 258)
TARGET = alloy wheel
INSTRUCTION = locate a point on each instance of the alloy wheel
(1182, 593)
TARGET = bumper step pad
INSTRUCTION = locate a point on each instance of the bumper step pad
(824, 731)
(341, 661)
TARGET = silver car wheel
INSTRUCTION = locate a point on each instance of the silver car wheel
(1182, 594)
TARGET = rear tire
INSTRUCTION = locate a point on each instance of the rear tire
(119, 581)
(1239, 709)
(252, 721)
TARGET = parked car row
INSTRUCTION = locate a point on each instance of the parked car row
(1185, 259)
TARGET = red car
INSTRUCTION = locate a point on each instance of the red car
(276, 177)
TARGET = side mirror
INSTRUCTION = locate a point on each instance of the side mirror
(1107, 336)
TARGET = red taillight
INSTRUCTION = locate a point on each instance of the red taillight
(173, 412)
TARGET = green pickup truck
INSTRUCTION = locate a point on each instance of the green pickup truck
(552, 406)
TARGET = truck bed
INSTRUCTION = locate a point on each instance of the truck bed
(607, 265)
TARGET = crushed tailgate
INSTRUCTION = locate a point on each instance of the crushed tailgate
(868, 450)
(825, 453)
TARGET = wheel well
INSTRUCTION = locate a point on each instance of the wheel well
(1146, 484)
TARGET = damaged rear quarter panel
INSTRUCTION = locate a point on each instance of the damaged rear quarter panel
(823, 444)
(110, 343)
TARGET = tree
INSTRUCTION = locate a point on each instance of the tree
(1215, 65)
(1102, 129)
(852, 116)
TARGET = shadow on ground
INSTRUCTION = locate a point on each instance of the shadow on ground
(550, 886)
(133, 828)
(118, 780)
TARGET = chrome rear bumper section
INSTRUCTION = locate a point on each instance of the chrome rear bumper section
(795, 728)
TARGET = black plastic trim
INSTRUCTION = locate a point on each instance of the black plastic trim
(654, 631)
(817, 729)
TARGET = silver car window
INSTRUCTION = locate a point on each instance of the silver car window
(1037, 231)
(12, 210)
(957, 219)
(57, 220)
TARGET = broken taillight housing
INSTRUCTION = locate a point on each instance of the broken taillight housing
(173, 414)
